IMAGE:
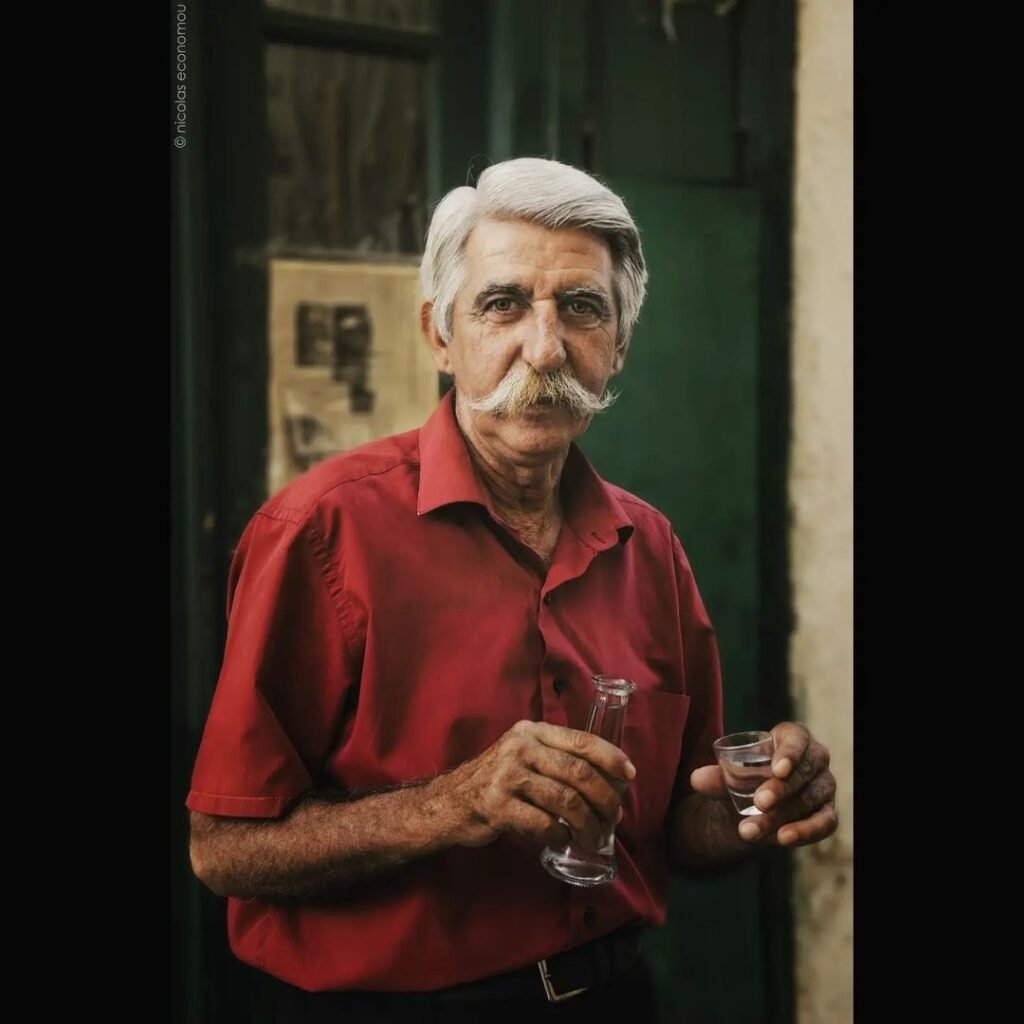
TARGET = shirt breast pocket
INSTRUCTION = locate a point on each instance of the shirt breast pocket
(653, 741)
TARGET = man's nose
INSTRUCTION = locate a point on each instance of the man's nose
(542, 346)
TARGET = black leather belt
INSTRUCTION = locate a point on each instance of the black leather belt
(557, 977)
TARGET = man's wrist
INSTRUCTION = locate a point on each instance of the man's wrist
(705, 834)
(445, 815)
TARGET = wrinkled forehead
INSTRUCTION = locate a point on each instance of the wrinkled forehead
(522, 252)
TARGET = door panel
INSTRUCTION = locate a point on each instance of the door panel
(683, 436)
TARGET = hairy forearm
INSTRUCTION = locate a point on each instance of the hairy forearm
(326, 843)
(703, 835)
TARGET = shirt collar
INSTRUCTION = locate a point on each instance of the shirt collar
(446, 471)
(447, 476)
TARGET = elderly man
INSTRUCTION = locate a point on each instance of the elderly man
(414, 626)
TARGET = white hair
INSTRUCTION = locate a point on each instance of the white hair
(543, 192)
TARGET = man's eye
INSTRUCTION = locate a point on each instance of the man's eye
(579, 307)
(501, 305)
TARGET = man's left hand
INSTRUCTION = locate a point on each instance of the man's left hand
(798, 801)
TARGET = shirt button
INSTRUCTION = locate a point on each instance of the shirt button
(559, 685)
(588, 917)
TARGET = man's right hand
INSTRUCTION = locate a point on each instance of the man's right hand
(534, 775)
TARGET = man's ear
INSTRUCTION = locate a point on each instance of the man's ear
(620, 358)
(437, 345)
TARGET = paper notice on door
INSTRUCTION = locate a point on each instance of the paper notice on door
(347, 361)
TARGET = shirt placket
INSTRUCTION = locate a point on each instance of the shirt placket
(573, 557)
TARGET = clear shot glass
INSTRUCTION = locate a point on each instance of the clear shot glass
(746, 761)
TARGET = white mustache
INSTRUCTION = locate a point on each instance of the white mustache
(523, 387)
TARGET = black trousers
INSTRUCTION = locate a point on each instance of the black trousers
(630, 998)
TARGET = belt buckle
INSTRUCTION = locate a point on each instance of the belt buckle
(549, 989)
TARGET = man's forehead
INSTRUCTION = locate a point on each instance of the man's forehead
(522, 245)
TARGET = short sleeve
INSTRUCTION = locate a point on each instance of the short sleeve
(703, 675)
(277, 704)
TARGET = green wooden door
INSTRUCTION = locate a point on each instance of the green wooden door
(683, 436)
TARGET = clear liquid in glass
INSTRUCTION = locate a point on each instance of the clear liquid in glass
(744, 772)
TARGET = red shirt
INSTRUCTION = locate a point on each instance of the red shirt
(384, 626)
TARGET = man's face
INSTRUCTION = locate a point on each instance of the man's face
(536, 297)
